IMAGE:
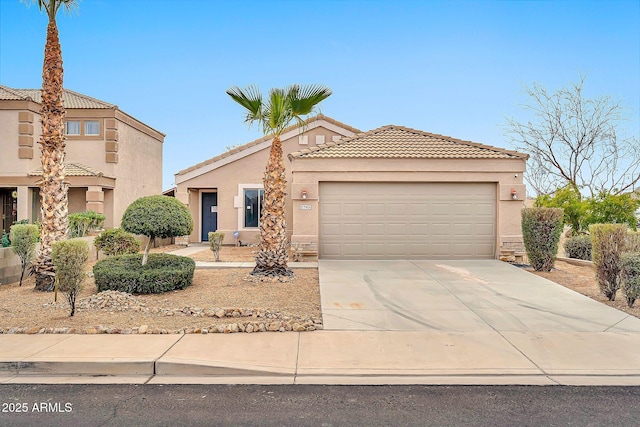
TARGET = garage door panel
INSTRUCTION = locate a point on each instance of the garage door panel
(407, 220)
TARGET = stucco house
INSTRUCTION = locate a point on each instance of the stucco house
(111, 157)
(392, 192)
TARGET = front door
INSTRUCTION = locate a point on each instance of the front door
(209, 214)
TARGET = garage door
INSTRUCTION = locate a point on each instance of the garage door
(371, 220)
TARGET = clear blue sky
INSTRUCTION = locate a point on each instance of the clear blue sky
(450, 67)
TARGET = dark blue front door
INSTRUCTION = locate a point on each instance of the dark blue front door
(209, 214)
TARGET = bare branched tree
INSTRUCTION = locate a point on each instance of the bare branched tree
(573, 140)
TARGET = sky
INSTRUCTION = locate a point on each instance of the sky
(456, 68)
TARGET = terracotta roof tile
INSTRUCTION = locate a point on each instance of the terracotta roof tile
(265, 138)
(400, 142)
(72, 169)
(71, 99)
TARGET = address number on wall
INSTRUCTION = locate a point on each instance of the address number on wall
(305, 207)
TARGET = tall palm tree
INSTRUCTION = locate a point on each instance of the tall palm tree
(53, 188)
(274, 115)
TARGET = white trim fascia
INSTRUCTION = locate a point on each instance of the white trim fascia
(179, 179)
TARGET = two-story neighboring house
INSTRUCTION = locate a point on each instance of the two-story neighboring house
(111, 158)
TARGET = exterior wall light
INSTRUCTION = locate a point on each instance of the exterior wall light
(514, 194)
(303, 194)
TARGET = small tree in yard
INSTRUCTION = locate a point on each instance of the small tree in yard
(215, 243)
(630, 277)
(69, 258)
(157, 216)
(541, 229)
(608, 241)
(24, 238)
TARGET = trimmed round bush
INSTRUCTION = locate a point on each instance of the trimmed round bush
(162, 273)
(578, 247)
(541, 229)
(117, 242)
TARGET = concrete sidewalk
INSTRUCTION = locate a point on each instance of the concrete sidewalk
(326, 357)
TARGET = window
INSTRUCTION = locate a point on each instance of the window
(91, 127)
(252, 207)
(72, 127)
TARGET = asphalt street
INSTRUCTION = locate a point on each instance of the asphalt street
(227, 405)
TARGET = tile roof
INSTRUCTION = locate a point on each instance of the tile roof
(266, 138)
(70, 98)
(72, 169)
(400, 142)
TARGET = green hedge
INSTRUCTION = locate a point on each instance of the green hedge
(541, 229)
(578, 247)
(630, 276)
(116, 241)
(162, 273)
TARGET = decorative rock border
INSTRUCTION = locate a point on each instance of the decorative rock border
(246, 320)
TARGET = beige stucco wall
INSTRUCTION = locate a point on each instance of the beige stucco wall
(308, 173)
(227, 179)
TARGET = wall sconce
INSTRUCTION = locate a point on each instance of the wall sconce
(303, 194)
(514, 194)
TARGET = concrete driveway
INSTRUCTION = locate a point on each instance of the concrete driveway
(456, 296)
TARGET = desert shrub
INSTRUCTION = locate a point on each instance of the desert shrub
(570, 200)
(541, 229)
(81, 223)
(24, 238)
(608, 243)
(157, 216)
(215, 243)
(116, 241)
(69, 258)
(162, 273)
(633, 242)
(578, 247)
(607, 208)
(630, 276)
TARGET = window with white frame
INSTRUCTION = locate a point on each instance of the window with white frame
(252, 207)
(91, 127)
(72, 127)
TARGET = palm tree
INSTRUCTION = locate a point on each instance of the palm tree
(53, 188)
(274, 115)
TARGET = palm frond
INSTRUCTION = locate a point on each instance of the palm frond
(303, 99)
(251, 99)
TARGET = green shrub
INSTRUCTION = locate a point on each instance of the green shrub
(24, 238)
(5, 240)
(81, 223)
(116, 241)
(162, 273)
(157, 216)
(541, 229)
(570, 200)
(69, 258)
(630, 276)
(578, 247)
(608, 243)
(608, 208)
(215, 243)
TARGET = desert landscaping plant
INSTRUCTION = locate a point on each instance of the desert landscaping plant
(274, 114)
(633, 241)
(24, 238)
(69, 258)
(630, 276)
(162, 273)
(215, 243)
(608, 242)
(541, 229)
(157, 216)
(578, 247)
(116, 241)
(81, 223)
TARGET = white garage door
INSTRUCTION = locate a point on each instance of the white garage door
(373, 220)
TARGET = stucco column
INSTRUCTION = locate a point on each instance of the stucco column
(23, 202)
(95, 199)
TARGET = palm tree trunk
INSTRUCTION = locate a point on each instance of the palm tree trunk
(53, 188)
(273, 255)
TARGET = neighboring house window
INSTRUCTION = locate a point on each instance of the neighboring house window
(72, 127)
(252, 207)
(91, 127)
